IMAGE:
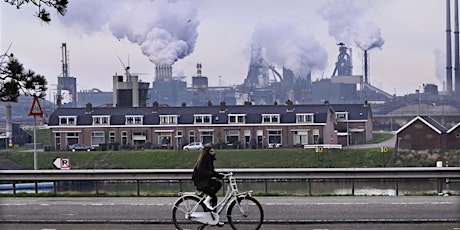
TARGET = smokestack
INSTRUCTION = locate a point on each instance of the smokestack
(163, 72)
(457, 57)
(448, 50)
(365, 66)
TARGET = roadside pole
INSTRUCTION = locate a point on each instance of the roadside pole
(35, 110)
(35, 144)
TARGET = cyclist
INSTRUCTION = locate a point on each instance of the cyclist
(203, 174)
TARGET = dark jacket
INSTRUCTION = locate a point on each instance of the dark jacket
(204, 172)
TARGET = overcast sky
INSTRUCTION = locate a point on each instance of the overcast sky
(405, 39)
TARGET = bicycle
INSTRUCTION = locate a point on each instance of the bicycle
(242, 210)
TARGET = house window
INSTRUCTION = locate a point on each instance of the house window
(301, 137)
(247, 137)
(138, 137)
(67, 120)
(270, 118)
(274, 137)
(101, 120)
(203, 118)
(304, 118)
(72, 138)
(124, 137)
(236, 118)
(164, 139)
(168, 119)
(57, 141)
(316, 136)
(134, 120)
(232, 136)
(191, 136)
(341, 116)
(207, 137)
(112, 138)
(97, 137)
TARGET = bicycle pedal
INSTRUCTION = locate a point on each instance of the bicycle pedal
(220, 224)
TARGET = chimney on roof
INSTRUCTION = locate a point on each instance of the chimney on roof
(209, 103)
(290, 105)
(223, 106)
(184, 104)
(326, 102)
(155, 107)
(89, 108)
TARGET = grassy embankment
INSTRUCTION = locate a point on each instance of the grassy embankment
(251, 158)
(180, 159)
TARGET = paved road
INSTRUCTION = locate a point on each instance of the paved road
(376, 212)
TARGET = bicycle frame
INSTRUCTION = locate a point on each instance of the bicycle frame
(232, 194)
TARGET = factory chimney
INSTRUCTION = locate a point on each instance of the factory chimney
(448, 50)
(365, 68)
(163, 72)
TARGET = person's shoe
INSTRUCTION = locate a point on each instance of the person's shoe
(220, 224)
(207, 203)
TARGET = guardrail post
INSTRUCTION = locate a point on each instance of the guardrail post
(265, 186)
(36, 187)
(396, 187)
(353, 187)
(309, 187)
(55, 187)
(96, 187)
(14, 187)
(180, 185)
(138, 188)
(439, 186)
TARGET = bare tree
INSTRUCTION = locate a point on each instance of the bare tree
(43, 5)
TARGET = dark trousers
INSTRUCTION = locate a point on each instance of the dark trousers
(211, 191)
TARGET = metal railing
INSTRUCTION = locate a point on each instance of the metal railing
(441, 174)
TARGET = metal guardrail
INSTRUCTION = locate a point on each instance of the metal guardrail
(440, 173)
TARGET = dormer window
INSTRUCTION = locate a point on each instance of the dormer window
(67, 120)
(305, 118)
(168, 119)
(203, 118)
(101, 120)
(134, 119)
(341, 116)
(236, 118)
(270, 118)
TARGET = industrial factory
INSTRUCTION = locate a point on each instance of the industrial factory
(264, 84)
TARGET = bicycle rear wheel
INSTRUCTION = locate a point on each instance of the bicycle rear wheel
(182, 210)
(245, 213)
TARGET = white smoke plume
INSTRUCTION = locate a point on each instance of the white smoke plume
(284, 45)
(347, 24)
(164, 30)
(440, 64)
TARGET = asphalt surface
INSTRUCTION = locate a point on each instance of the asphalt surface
(343, 212)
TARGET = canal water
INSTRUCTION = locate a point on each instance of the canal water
(384, 187)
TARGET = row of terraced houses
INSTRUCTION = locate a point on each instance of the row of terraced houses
(240, 126)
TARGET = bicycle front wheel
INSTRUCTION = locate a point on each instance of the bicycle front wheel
(245, 213)
(182, 210)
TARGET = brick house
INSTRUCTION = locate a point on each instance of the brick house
(241, 126)
(421, 133)
(453, 137)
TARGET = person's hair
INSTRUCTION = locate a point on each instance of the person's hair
(204, 151)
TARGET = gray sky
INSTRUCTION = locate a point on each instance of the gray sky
(406, 39)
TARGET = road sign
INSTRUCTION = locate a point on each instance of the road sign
(62, 163)
(36, 109)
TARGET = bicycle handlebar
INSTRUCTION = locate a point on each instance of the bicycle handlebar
(226, 174)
